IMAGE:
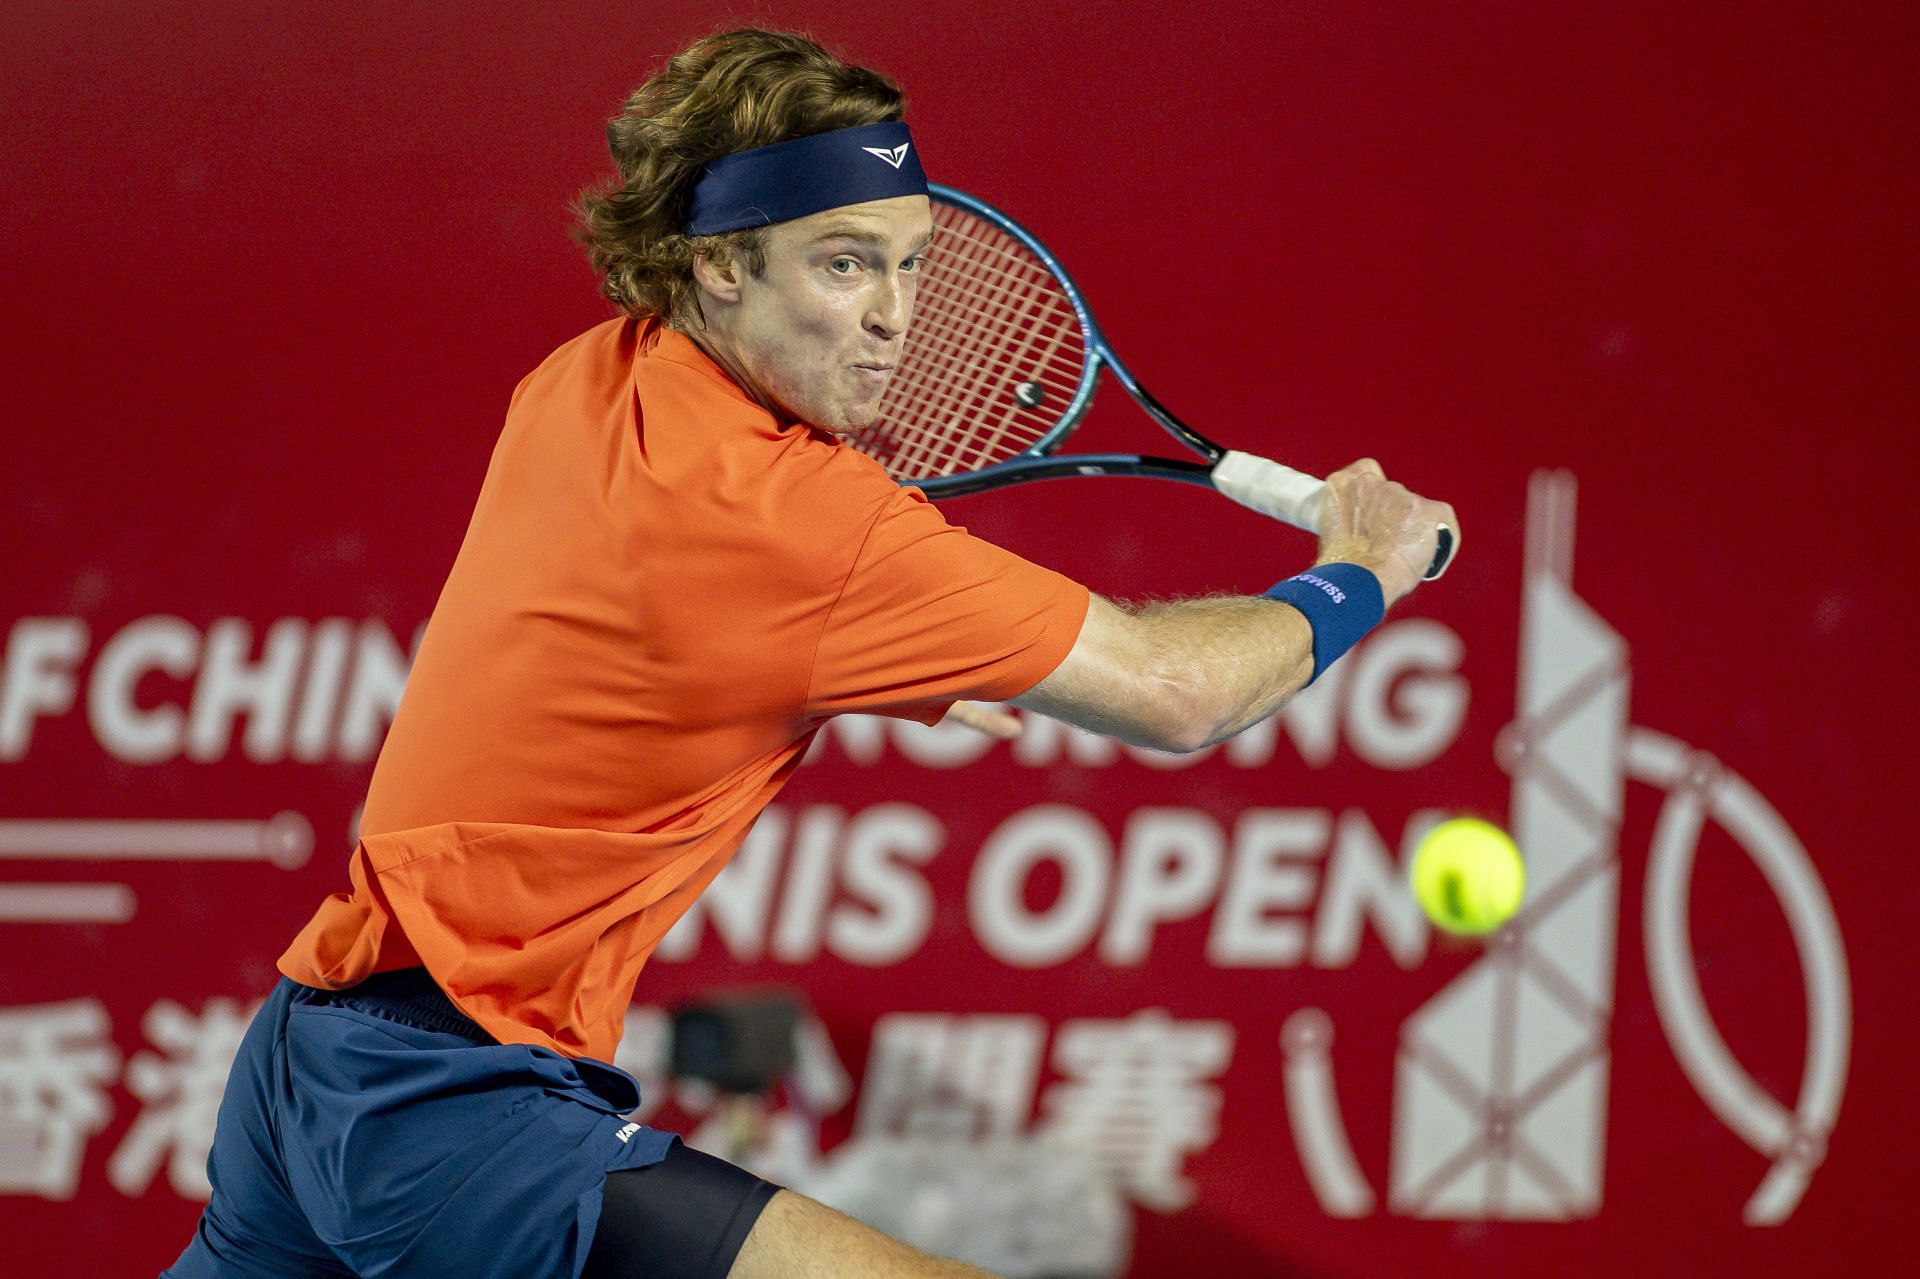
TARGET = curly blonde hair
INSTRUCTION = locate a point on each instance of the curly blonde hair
(728, 92)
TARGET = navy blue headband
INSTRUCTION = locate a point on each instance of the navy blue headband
(790, 180)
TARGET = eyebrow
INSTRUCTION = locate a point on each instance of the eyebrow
(860, 235)
(847, 231)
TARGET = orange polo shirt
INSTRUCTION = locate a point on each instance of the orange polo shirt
(663, 592)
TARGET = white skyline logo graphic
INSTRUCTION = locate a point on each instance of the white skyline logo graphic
(1500, 1093)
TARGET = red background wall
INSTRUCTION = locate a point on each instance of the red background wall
(272, 271)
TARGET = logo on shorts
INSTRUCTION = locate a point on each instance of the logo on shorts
(896, 156)
(627, 1132)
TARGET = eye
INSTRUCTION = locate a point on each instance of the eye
(913, 264)
(844, 265)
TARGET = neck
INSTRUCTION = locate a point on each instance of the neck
(716, 348)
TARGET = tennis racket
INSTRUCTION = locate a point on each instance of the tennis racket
(1001, 362)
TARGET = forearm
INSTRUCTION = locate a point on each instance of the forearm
(1185, 675)
(1178, 676)
(1234, 659)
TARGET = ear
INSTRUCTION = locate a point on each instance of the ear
(717, 277)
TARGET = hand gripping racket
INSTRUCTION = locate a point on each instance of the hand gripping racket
(1001, 361)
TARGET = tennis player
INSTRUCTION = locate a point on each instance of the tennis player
(675, 573)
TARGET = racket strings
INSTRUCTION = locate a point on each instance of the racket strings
(986, 268)
(958, 381)
(994, 356)
(960, 374)
(966, 381)
(963, 421)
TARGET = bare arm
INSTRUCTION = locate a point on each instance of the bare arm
(1178, 676)
(1184, 675)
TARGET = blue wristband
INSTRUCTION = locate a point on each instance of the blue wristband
(1342, 602)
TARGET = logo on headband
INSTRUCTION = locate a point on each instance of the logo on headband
(892, 155)
(801, 176)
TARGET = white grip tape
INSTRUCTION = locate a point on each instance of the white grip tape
(1271, 489)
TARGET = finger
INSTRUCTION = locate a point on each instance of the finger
(997, 724)
(1353, 472)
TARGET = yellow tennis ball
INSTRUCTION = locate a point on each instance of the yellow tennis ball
(1468, 876)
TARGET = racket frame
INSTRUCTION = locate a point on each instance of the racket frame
(1037, 461)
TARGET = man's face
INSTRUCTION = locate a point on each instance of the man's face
(819, 331)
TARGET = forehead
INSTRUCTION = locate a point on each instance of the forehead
(900, 222)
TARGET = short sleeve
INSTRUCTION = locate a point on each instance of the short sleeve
(930, 614)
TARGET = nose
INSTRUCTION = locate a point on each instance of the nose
(890, 307)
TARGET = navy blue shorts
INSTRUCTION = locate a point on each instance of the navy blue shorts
(379, 1132)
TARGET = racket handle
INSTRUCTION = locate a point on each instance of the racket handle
(1294, 497)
